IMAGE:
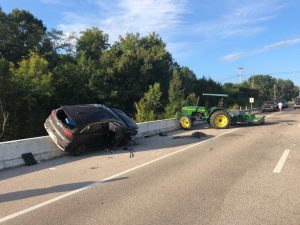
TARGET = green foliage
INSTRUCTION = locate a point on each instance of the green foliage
(263, 83)
(239, 95)
(6, 97)
(176, 96)
(128, 68)
(21, 33)
(70, 85)
(33, 77)
(149, 107)
(234, 107)
(32, 82)
(285, 89)
(191, 99)
(92, 43)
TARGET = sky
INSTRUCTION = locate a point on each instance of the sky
(212, 38)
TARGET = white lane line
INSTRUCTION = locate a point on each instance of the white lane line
(34, 207)
(281, 161)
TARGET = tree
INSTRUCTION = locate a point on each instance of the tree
(264, 84)
(126, 70)
(6, 97)
(176, 95)
(285, 89)
(239, 94)
(32, 83)
(92, 43)
(20, 34)
(149, 107)
(71, 87)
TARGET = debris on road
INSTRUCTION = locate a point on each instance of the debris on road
(131, 154)
(130, 149)
(94, 167)
(163, 134)
(196, 134)
(29, 159)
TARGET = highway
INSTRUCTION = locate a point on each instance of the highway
(242, 175)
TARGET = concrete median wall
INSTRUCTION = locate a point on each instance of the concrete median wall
(43, 148)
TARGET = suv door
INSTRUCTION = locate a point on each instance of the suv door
(95, 134)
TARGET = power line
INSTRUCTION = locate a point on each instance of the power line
(253, 74)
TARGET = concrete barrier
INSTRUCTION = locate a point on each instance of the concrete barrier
(154, 127)
(43, 148)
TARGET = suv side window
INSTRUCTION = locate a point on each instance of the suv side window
(96, 128)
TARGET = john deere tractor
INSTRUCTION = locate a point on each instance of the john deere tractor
(218, 117)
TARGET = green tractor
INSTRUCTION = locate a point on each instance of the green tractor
(218, 117)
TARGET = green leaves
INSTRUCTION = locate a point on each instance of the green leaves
(33, 76)
(149, 107)
(176, 96)
(91, 43)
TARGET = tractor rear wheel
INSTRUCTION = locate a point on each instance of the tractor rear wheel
(220, 119)
(185, 122)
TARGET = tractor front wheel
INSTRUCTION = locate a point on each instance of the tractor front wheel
(220, 119)
(185, 122)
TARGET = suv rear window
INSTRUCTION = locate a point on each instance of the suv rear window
(297, 100)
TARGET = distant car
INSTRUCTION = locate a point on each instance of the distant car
(76, 128)
(297, 102)
(270, 106)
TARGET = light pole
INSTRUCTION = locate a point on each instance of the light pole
(240, 74)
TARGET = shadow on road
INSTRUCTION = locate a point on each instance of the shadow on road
(17, 195)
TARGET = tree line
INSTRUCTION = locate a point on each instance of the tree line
(41, 70)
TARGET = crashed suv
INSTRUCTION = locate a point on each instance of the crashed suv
(76, 128)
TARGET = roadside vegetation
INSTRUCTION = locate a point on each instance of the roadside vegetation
(41, 70)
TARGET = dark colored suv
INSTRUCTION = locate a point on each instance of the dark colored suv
(270, 106)
(75, 128)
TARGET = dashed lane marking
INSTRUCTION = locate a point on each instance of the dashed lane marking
(281, 161)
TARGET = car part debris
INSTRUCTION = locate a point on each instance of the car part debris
(196, 134)
(131, 154)
(163, 134)
(29, 159)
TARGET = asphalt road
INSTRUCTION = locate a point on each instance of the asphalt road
(242, 175)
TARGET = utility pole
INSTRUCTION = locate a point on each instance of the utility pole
(253, 82)
(240, 74)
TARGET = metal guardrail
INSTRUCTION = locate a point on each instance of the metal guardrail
(241, 112)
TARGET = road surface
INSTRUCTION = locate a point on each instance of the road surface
(241, 175)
